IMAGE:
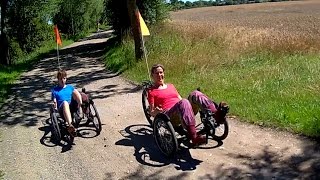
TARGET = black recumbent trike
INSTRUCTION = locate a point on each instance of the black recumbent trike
(166, 135)
(90, 114)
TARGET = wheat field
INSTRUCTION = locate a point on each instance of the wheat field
(294, 23)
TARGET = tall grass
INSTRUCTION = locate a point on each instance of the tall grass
(267, 81)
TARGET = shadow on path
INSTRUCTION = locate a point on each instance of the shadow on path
(28, 102)
(269, 164)
(147, 152)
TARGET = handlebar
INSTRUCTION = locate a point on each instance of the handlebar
(147, 84)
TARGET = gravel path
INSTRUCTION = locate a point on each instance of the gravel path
(125, 149)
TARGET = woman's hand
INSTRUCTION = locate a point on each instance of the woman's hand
(158, 109)
(155, 110)
(55, 106)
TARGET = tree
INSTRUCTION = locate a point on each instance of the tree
(121, 14)
(28, 23)
(78, 16)
(116, 12)
(133, 12)
(4, 47)
(188, 4)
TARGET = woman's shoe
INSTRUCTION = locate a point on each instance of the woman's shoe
(199, 140)
(221, 113)
(196, 139)
(72, 131)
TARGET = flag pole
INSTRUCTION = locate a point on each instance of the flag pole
(58, 41)
(58, 55)
(144, 32)
(145, 56)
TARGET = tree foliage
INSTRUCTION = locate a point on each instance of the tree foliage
(25, 24)
(4, 47)
(78, 16)
(24, 27)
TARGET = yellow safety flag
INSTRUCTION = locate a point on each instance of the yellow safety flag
(143, 26)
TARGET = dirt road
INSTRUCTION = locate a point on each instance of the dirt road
(125, 149)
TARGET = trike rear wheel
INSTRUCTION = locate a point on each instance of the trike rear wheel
(95, 117)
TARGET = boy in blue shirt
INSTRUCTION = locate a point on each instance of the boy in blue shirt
(66, 99)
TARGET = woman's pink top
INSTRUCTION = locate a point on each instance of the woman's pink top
(164, 98)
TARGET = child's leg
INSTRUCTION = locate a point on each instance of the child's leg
(66, 112)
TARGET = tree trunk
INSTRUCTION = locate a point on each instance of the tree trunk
(4, 47)
(133, 12)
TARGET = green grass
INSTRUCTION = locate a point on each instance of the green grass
(9, 74)
(120, 57)
(274, 89)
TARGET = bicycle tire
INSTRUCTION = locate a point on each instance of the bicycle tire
(225, 131)
(96, 117)
(55, 129)
(167, 143)
(145, 107)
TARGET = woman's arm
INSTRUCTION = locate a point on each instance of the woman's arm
(153, 110)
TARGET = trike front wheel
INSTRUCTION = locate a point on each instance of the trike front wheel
(221, 131)
(164, 135)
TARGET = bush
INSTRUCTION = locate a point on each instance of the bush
(15, 51)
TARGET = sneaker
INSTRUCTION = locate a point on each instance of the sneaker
(221, 113)
(199, 140)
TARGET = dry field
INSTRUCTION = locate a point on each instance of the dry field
(295, 22)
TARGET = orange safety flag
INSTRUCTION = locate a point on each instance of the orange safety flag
(56, 32)
(143, 26)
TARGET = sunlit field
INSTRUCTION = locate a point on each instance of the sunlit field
(280, 26)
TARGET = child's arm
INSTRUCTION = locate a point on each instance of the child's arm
(54, 100)
(55, 103)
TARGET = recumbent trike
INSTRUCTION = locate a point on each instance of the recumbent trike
(90, 114)
(165, 134)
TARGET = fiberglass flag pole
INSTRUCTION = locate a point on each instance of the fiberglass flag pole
(146, 58)
(58, 41)
(58, 55)
(144, 32)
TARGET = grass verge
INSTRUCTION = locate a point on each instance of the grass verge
(274, 87)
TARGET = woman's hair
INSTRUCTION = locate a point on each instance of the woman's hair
(61, 73)
(155, 66)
